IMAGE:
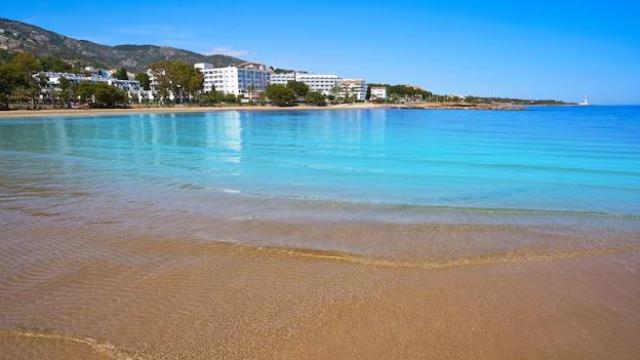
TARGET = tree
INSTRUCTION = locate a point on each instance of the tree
(404, 92)
(27, 65)
(84, 92)
(185, 80)
(177, 78)
(144, 80)
(230, 98)
(10, 78)
(21, 94)
(108, 96)
(66, 91)
(281, 95)
(54, 64)
(251, 90)
(315, 98)
(100, 95)
(335, 93)
(121, 74)
(194, 83)
(162, 83)
(300, 89)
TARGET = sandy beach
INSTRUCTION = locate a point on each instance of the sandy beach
(90, 279)
(156, 298)
(320, 235)
(195, 109)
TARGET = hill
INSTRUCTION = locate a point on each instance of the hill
(19, 36)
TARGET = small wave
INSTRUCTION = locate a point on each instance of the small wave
(231, 191)
(321, 201)
(105, 349)
(520, 256)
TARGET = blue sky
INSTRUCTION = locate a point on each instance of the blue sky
(529, 49)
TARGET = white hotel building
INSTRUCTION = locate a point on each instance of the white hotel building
(378, 93)
(237, 80)
(320, 83)
(353, 87)
(131, 87)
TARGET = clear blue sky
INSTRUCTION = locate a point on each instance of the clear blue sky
(530, 49)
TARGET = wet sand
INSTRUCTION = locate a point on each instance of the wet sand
(173, 109)
(195, 109)
(144, 266)
(72, 293)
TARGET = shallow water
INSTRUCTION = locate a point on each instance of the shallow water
(249, 231)
(574, 158)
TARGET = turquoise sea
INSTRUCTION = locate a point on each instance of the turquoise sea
(192, 174)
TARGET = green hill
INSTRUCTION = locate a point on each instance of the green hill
(19, 36)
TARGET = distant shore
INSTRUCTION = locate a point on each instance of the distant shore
(195, 109)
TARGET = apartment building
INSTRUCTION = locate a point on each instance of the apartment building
(282, 78)
(238, 80)
(378, 93)
(316, 82)
(131, 87)
(353, 88)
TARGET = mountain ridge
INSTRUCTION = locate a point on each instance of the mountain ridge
(20, 36)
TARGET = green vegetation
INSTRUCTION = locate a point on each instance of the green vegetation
(177, 78)
(20, 87)
(41, 42)
(100, 95)
(216, 97)
(281, 95)
(16, 80)
(121, 74)
(408, 94)
(54, 64)
(315, 98)
(300, 89)
(499, 100)
(145, 81)
(282, 71)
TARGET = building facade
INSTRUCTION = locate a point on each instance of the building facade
(378, 93)
(323, 84)
(356, 88)
(131, 87)
(282, 78)
(244, 79)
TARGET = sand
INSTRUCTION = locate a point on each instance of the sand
(193, 109)
(100, 291)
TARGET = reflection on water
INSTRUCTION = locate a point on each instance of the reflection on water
(501, 160)
(338, 180)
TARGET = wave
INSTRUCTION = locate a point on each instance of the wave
(105, 349)
(312, 202)
(513, 257)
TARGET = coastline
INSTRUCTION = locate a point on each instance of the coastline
(11, 114)
(307, 307)
(118, 226)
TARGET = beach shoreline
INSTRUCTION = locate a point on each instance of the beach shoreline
(12, 114)
(346, 234)
(217, 296)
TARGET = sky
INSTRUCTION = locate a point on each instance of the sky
(528, 49)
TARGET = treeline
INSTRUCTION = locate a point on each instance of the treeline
(407, 93)
(20, 88)
(98, 95)
(295, 92)
(403, 93)
(176, 81)
(17, 83)
(500, 100)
